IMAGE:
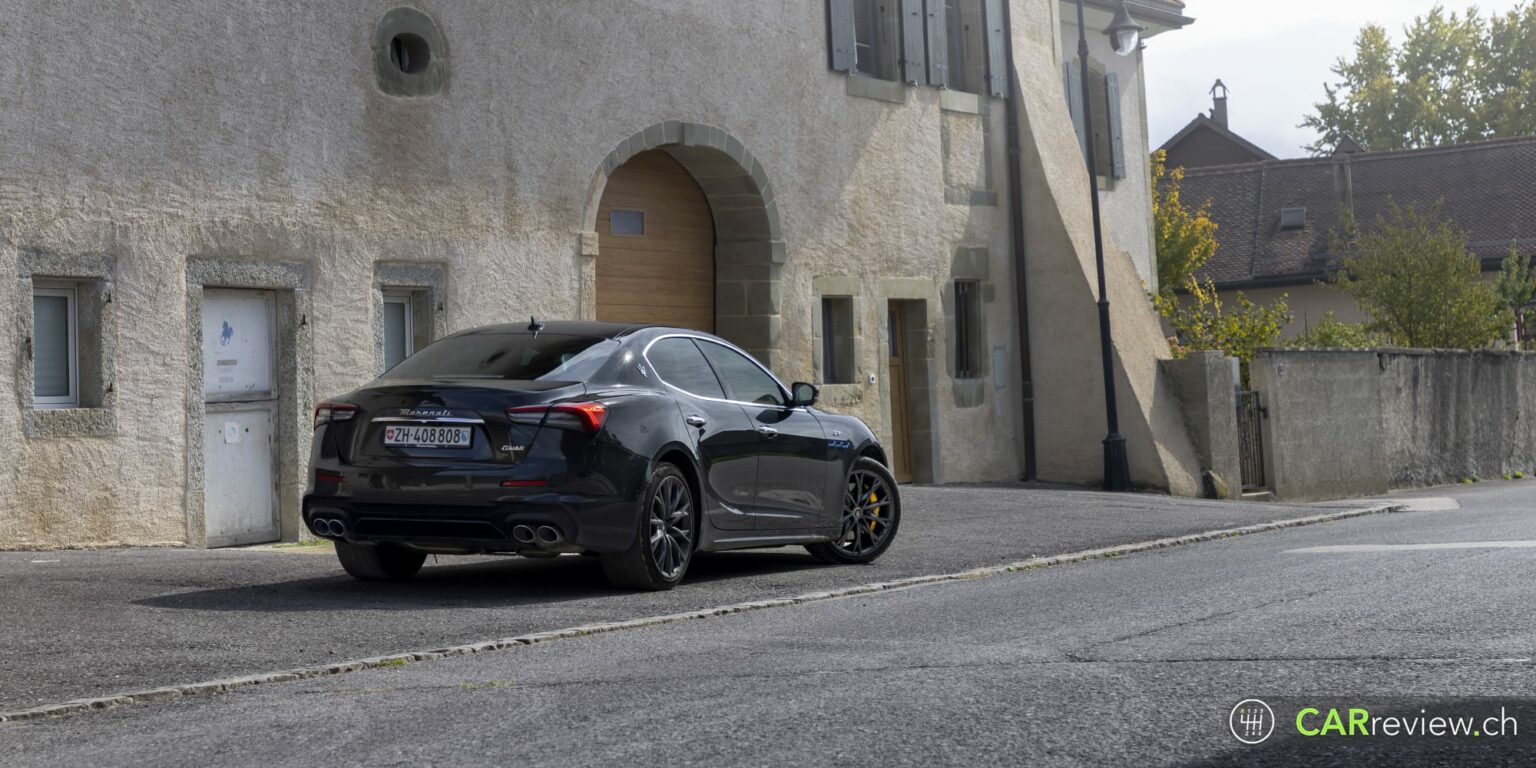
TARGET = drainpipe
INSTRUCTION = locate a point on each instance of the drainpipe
(1016, 227)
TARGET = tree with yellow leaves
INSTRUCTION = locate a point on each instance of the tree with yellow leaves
(1186, 238)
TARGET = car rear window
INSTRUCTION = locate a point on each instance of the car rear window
(508, 356)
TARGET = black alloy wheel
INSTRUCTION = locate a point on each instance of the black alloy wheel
(664, 544)
(871, 515)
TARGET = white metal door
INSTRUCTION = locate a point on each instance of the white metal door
(240, 394)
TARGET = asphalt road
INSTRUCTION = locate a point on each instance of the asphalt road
(80, 624)
(1132, 661)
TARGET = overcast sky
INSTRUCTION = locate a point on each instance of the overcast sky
(1274, 56)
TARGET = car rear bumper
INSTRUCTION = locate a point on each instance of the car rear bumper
(583, 523)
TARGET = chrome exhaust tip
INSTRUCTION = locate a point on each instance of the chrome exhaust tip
(522, 534)
(549, 536)
(338, 529)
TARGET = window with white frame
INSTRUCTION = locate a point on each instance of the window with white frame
(55, 346)
(399, 327)
(407, 309)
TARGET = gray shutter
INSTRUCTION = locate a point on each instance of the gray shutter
(914, 62)
(997, 50)
(1116, 130)
(938, 43)
(1074, 85)
(840, 36)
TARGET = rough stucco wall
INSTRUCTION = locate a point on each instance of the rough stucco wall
(1206, 384)
(162, 131)
(1449, 415)
(1324, 437)
(1062, 293)
(1127, 203)
(1350, 423)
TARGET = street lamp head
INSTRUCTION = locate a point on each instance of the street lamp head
(1124, 33)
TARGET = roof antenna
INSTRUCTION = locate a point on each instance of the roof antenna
(534, 326)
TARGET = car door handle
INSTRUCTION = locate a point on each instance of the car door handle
(768, 432)
(696, 421)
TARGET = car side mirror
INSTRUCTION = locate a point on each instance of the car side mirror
(803, 395)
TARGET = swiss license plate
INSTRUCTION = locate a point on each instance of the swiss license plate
(427, 437)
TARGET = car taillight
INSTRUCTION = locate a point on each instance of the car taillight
(327, 412)
(584, 416)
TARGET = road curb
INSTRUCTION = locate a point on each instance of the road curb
(225, 685)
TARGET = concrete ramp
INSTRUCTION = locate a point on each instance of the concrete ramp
(1063, 291)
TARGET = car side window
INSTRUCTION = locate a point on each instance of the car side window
(746, 381)
(679, 363)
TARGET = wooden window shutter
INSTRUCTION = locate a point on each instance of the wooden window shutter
(1116, 128)
(938, 43)
(840, 34)
(997, 50)
(1074, 86)
(914, 61)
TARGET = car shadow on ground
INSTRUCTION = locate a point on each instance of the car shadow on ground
(481, 584)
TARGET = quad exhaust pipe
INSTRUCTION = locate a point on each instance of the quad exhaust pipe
(329, 528)
(549, 536)
(543, 536)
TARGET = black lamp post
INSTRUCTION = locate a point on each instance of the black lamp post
(1125, 36)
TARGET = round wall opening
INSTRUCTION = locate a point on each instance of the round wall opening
(410, 53)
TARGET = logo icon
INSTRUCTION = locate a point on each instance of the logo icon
(1251, 721)
(226, 334)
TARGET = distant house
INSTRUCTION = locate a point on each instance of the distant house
(1277, 216)
(1207, 140)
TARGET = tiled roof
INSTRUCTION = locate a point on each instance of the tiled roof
(1205, 122)
(1486, 189)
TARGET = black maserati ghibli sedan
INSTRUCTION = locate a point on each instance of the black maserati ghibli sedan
(638, 444)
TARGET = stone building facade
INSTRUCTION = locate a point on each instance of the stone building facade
(223, 213)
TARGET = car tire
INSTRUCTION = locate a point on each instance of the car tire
(668, 510)
(379, 562)
(871, 502)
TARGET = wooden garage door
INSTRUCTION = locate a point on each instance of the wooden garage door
(656, 248)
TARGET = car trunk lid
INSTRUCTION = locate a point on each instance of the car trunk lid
(404, 422)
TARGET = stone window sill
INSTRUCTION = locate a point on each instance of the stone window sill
(960, 101)
(69, 422)
(866, 87)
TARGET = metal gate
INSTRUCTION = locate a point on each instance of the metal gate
(1250, 440)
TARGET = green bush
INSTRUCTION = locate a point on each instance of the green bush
(1332, 333)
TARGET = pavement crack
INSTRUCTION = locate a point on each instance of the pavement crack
(1198, 620)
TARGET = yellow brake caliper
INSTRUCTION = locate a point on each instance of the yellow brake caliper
(873, 499)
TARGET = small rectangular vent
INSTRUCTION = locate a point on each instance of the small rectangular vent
(1293, 218)
(627, 223)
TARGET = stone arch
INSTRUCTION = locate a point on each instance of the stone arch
(749, 251)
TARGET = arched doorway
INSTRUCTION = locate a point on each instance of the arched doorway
(656, 240)
(658, 273)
